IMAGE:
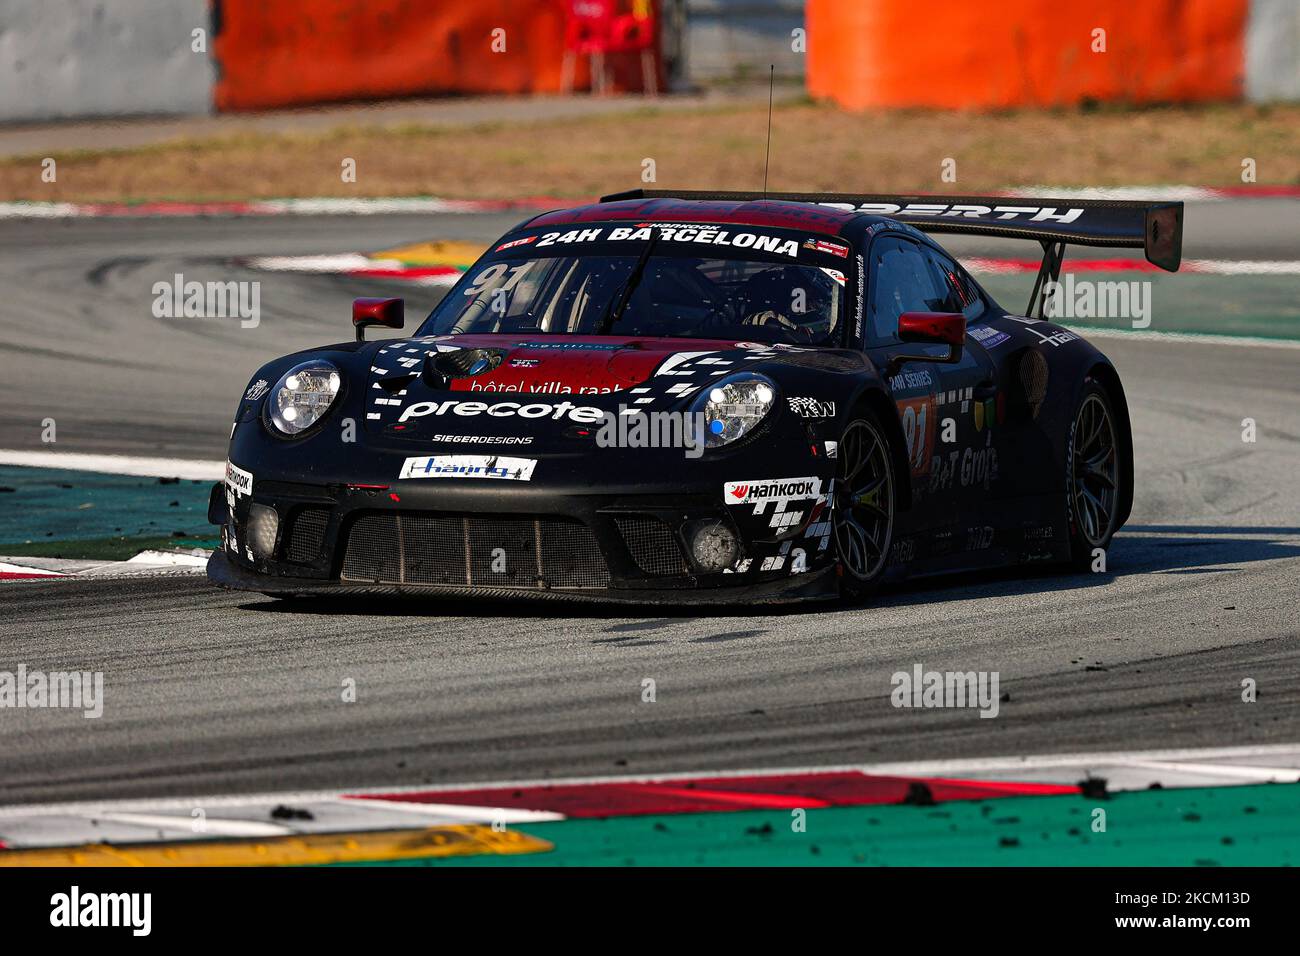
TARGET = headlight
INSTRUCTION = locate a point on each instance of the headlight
(303, 395)
(733, 407)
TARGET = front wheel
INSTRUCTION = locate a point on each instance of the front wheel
(1093, 476)
(863, 505)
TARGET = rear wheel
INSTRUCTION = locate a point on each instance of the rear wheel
(864, 505)
(1094, 476)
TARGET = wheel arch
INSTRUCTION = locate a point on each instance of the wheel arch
(886, 412)
(1105, 375)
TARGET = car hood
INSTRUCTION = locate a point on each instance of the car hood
(650, 374)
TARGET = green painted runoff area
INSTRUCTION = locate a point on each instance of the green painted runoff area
(1255, 825)
(49, 512)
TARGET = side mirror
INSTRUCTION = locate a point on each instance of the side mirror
(934, 328)
(390, 313)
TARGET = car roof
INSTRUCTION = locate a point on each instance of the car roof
(777, 213)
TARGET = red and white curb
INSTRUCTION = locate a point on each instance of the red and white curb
(146, 564)
(23, 572)
(356, 264)
(532, 801)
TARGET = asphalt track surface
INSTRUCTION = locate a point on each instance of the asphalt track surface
(211, 692)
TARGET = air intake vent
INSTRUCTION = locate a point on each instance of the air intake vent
(306, 535)
(652, 545)
(473, 551)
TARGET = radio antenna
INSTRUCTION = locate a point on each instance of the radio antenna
(767, 159)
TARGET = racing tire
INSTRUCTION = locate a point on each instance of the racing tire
(1093, 476)
(863, 506)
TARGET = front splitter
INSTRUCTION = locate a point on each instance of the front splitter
(810, 586)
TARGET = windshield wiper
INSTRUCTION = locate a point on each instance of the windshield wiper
(614, 311)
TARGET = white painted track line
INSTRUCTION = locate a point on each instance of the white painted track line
(187, 469)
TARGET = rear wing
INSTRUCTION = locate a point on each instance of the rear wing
(1154, 227)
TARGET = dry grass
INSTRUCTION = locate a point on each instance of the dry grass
(813, 148)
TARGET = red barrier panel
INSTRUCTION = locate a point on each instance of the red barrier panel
(954, 53)
(311, 51)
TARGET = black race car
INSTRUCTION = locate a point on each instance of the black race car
(696, 397)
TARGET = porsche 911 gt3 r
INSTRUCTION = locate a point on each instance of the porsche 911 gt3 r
(696, 397)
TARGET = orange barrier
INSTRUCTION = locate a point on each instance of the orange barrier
(867, 54)
(312, 51)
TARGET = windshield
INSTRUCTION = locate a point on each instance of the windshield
(674, 290)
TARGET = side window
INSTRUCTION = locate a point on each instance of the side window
(962, 294)
(902, 280)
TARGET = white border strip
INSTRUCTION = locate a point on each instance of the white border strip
(343, 262)
(1149, 193)
(321, 206)
(117, 464)
(1197, 338)
(990, 265)
(1242, 267)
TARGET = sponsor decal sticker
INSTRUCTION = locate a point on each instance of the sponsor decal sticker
(764, 490)
(966, 468)
(572, 347)
(469, 466)
(987, 412)
(256, 390)
(965, 211)
(679, 225)
(821, 245)
(238, 480)
(1056, 339)
(902, 551)
(696, 233)
(858, 312)
(544, 388)
(907, 381)
(486, 439)
(806, 407)
(582, 414)
(516, 242)
(988, 336)
(918, 418)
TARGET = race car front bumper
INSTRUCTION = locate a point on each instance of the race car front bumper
(475, 541)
